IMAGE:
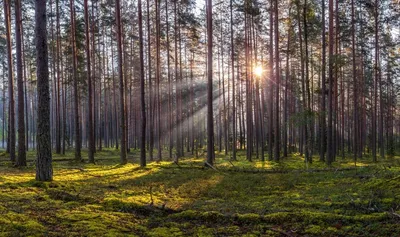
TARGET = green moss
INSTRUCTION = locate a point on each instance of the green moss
(254, 198)
(121, 206)
(12, 222)
(248, 218)
(203, 231)
(185, 215)
(165, 232)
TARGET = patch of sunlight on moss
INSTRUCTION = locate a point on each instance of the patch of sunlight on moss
(263, 165)
(165, 232)
(11, 221)
(17, 178)
(360, 164)
(93, 171)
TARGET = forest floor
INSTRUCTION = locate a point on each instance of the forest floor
(238, 198)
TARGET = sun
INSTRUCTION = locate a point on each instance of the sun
(258, 71)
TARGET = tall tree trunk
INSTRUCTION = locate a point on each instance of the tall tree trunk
(307, 128)
(210, 121)
(78, 142)
(151, 111)
(287, 78)
(177, 86)
(375, 88)
(57, 97)
(123, 158)
(322, 147)
(170, 113)
(271, 83)
(277, 81)
(355, 85)
(21, 159)
(330, 155)
(11, 113)
(233, 85)
(142, 85)
(158, 75)
(378, 77)
(44, 170)
(89, 79)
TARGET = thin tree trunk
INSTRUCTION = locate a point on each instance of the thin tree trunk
(271, 82)
(11, 113)
(355, 86)
(277, 81)
(89, 79)
(234, 147)
(78, 156)
(330, 154)
(121, 84)
(322, 147)
(158, 75)
(170, 127)
(142, 85)
(21, 159)
(210, 121)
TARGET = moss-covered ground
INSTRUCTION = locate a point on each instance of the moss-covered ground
(239, 198)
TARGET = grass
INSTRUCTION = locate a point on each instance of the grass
(241, 198)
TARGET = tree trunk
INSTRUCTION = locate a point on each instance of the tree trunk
(78, 142)
(277, 81)
(123, 158)
(21, 159)
(44, 170)
(170, 113)
(11, 113)
(233, 85)
(89, 79)
(210, 120)
(158, 75)
(330, 155)
(142, 85)
(271, 83)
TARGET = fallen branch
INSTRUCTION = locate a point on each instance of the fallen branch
(209, 165)
(176, 163)
(393, 213)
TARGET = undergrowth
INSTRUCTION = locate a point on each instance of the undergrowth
(238, 198)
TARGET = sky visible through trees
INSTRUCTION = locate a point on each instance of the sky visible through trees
(316, 78)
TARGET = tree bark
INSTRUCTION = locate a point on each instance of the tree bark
(234, 147)
(330, 151)
(78, 141)
(277, 81)
(210, 120)
(142, 85)
(21, 159)
(11, 113)
(89, 79)
(123, 158)
(44, 170)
